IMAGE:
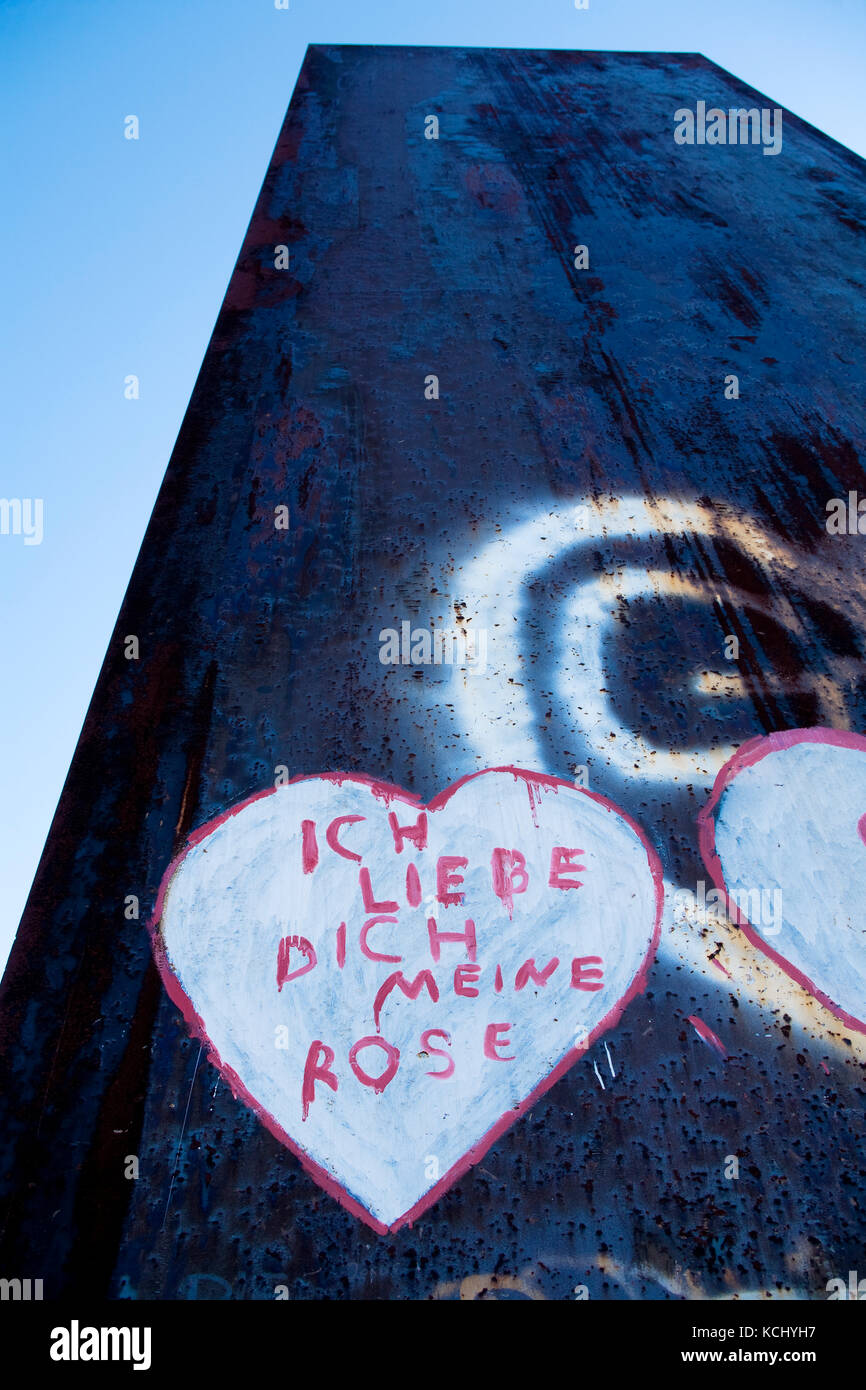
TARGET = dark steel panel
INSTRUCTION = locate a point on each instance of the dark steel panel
(259, 648)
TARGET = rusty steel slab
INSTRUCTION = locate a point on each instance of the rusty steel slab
(582, 469)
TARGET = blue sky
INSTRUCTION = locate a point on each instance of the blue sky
(115, 255)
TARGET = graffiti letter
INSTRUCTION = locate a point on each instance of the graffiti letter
(580, 974)
(506, 885)
(316, 1070)
(284, 951)
(462, 975)
(378, 1083)
(491, 1041)
(417, 833)
(447, 878)
(562, 859)
(368, 950)
(528, 972)
(368, 896)
(438, 1052)
(309, 846)
(331, 836)
(437, 937)
(411, 989)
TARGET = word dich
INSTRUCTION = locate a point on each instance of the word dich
(509, 877)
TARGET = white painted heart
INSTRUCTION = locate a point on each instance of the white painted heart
(390, 986)
(782, 836)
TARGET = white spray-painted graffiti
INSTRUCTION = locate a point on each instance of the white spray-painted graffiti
(566, 639)
(494, 587)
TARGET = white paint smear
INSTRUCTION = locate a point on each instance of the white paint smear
(787, 825)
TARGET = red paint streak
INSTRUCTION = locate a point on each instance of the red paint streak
(413, 886)
(718, 964)
(706, 1033)
(309, 846)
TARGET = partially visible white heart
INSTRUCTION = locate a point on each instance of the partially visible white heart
(390, 986)
(783, 836)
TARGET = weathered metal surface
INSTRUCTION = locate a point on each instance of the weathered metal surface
(559, 388)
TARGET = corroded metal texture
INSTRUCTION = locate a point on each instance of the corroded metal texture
(582, 443)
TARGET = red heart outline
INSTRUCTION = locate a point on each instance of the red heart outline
(389, 794)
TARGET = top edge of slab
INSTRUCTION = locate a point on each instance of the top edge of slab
(494, 48)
